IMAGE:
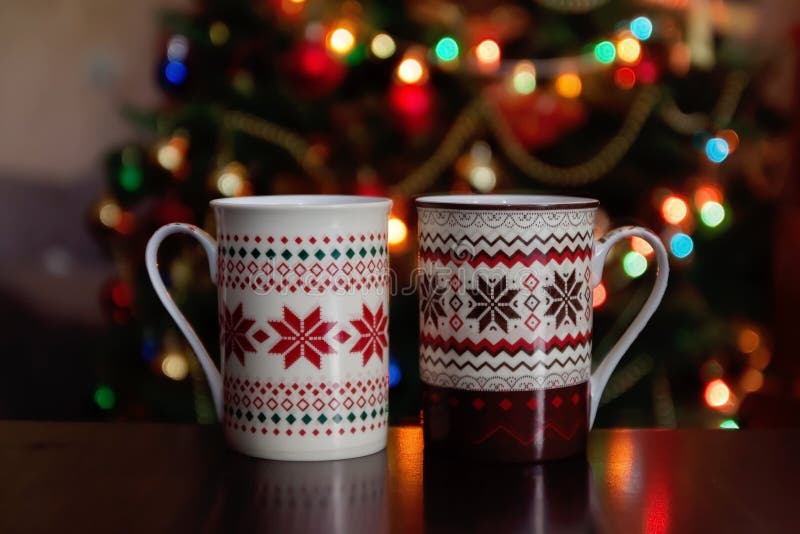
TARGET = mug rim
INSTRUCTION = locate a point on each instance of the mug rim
(506, 202)
(304, 202)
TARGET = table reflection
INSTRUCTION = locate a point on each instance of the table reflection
(475, 497)
(339, 496)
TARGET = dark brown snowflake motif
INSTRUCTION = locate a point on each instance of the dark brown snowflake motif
(233, 333)
(492, 304)
(564, 298)
(431, 299)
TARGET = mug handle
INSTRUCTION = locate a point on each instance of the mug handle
(602, 246)
(151, 260)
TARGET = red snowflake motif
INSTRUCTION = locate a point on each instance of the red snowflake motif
(372, 329)
(233, 333)
(303, 338)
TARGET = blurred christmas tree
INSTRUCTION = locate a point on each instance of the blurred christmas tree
(644, 105)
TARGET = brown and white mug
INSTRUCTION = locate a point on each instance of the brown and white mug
(506, 322)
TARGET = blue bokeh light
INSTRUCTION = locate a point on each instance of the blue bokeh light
(395, 374)
(717, 149)
(681, 245)
(149, 349)
(642, 28)
(175, 72)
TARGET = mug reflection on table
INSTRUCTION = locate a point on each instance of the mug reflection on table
(462, 496)
(336, 497)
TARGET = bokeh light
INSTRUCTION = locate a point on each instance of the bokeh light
(340, 41)
(219, 33)
(398, 231)
(130, 177)
(482, 178)
(681, 245)
(568, 85)
(232, 180)
(729, 424)
(646, 71)
(760, 358)
(674, 209)
(641, 246)
(177, 48)
(175, 72)
(605, 52)
(382, 46)
(748, 340)
(170, 155)
(629, 50)
(109, 213)
(717, 149)
(752, 380)
(122, 294)
(712, 214)
(717, 393)
(446, 49)
(523, 78)
(488, 52)
(395, 373)
(411, 71)
(625, 78)
(730, 137)
(105, 397)
(634, 264)
(175, 366)
(707, 193)
(641, 28)
(599, 295)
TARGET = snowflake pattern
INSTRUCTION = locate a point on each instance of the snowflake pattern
(493, 304)
(372, 331)
(431, 299)
(233, 333)
(564, 298)
(304, 337)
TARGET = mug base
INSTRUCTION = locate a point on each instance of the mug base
(506, 426)
(337, 453)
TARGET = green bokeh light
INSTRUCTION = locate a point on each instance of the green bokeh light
(729, 424)
(446, 49)
(605, 52)
(130, 177)
(634, 264)
(712, 214)
(524, 82)
(105, 397)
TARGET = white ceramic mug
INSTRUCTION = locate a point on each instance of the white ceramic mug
(303, 309)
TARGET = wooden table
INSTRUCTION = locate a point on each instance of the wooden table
(149, 478)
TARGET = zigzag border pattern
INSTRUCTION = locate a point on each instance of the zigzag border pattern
(501, 383)
(508, 260)
(448, 237)
(432, 361)
(523, 347)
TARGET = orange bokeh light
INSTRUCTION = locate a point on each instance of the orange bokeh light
(641, 246)
(599, 295)
(707, 193)
(748, 340)
(674, 209)
(752, 380)
(569, 85)
(730, 137)
(717, 393)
